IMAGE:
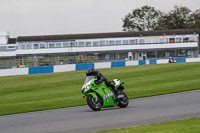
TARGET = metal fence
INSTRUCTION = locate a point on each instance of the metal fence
(45, 61)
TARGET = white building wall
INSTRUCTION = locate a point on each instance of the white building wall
(4, 37)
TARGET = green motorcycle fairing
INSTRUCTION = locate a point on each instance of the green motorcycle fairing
(101, 90)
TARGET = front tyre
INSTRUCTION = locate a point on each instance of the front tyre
(123, 102)
(93, 103)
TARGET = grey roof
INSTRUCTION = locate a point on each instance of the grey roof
(106, 35)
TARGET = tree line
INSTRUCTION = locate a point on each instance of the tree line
(148, 18)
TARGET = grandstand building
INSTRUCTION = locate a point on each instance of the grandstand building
(142, 45)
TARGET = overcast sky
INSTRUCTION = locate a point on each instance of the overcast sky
(49, 17)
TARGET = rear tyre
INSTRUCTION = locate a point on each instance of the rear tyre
(94, 104)
(123, 102)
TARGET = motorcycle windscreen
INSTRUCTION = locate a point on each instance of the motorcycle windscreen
(88, 79)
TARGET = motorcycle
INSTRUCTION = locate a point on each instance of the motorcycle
(101, 96)
(172, 60)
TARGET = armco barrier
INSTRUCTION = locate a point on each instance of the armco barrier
(13, 71)
(84, 66)
(152, 61)
(75, 67)
(142, 62)
(180, 60)
(64, 68)
(101, 65)
(37, 70)
(131, 63)
(192, 59)
(118, 63)
(164, 61)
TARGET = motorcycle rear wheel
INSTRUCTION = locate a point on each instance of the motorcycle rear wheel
(93, 103)
(123, 102)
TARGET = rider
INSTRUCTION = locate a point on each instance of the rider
(171, 60)
(100, 78)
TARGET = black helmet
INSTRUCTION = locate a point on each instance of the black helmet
(89, 71)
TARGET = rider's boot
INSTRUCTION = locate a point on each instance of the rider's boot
(117, 95)
(114, 95)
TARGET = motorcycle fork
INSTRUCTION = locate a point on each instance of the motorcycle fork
(96, 99)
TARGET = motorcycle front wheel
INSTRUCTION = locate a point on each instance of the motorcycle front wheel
(123, 102)
(93, 103)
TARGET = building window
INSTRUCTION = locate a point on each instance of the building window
(51, 45)
(65, 45)
(81, 44)
(141, 41)
(191, 39)
(111, 42)
(162, 40)
(147, 40)
(172, 53)
(21, 46)
(190, 53)
(171, 40)
(72, 44)
(182, 53)
(151, 54)
(102, 57)
(88, 44)
(125, 42)
(28, 46)
(159, 40)
(178, 39)
(95, 43)
(42, 46)
(185, 39)
(132, 41)
(118, 42)
(123, 56)
(102, 43)
(58, 45)
(160, 54)
(156, 40)
(11, 47)
(35, 46)
(112, 56)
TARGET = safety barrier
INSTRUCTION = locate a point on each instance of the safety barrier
(142, 62)
(77, 67)
(118, 63)
(152, 61)
(84, 66)
(38, 70)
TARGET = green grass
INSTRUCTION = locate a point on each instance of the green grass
(180, 126)
(56, 90)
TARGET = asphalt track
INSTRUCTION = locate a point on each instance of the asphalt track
(83, 119)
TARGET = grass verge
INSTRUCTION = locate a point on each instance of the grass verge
(56, 90)
(180, 126)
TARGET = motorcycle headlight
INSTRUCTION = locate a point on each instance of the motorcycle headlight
(85, 89)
